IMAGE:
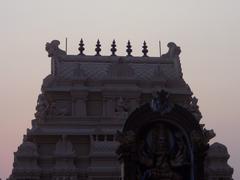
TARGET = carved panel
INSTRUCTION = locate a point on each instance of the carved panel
(61, 108)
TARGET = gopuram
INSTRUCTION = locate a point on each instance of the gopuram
(118, 117)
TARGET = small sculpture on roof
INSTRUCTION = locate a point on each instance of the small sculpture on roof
(173, 51)
(53, 49)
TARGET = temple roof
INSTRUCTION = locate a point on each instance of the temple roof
(164, 70)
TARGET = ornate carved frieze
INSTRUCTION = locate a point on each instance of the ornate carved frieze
(61, 108)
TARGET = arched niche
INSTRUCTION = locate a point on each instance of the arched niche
(166, 146)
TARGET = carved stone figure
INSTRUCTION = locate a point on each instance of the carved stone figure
(163, 154)
(193, 103)
(173, 51)
(121, 105)
(42, 107)
(160, 103)
(194, 108)
(208, 134)
(60, 109)
(64, 147)
(53, 49)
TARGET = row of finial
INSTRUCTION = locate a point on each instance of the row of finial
(113, 48)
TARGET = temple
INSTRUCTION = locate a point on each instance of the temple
(118, 117)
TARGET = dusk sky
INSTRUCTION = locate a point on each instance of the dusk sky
(208, 32)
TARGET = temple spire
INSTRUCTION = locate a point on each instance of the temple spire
(129, 48)
(98, 48)
(145, 49)
(113, 49)
(81, 47)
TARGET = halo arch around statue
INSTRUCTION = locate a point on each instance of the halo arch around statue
(166, 142)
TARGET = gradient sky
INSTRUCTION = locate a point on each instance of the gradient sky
(208, 32)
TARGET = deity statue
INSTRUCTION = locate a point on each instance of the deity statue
(163, 155)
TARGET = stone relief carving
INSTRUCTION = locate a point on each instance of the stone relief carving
(161, 154)
(173, 51)
(64, 146)
(208, 135)
(42, 107)
(53, 49)
(61, 108)
(161, 103)
(193, 107)
(121, 105)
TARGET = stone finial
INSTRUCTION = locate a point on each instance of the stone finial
(81, 47)
(53, 49)
(145, 49)
(173, 51)
(129, 48)
(98, 48)
(113, 49)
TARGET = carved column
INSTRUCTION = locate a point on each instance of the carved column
(108, 105)
(79, 105)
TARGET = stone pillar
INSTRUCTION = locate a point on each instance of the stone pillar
(79, 103)
(109, 106)
(80, 107)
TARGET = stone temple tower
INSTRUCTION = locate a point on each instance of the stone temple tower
(87, 99)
